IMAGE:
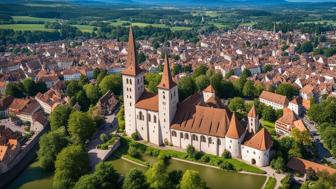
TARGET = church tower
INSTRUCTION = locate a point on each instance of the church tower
(133, 85)
(168, 99)
(253, 120)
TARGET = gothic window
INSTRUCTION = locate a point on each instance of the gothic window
(174, 133)
(141, 116)
(149, 117)
(194, 137)
(219, 141)
(181, 135)
(130, 81)
(210, 140)
(154, 118)
(186, 136)
(203, 139)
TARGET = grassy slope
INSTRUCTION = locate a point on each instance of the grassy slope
(270, 184)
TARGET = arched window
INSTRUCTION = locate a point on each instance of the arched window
(126, 80)
(140, 116)
(181, 135)
(210, 140)
(130, 81)
(203, 139)
(149, 117)
(194, 137)
(186, 136)
(218, 141)
(174, 133)
(154, 118)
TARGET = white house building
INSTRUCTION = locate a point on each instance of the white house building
(201, 120)
(276, 101)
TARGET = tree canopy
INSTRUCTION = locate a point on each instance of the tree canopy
(80, 127)
(192, 180)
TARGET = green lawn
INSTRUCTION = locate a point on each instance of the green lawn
(180, 28)
(85, 28)
(269, 126)
(25, 27)
(214, 160)
(271, 182)
(32, 19)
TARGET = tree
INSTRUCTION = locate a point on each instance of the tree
(50, 145)
(278, 163)
(71, 163)
(249, 90)
(104, 177)
(176, 69)
(111, 82)
(29, 87)
(141, 57)
(83, 80)
(307, 47)
(73, 88)
(229, 74)
(200, 70)
(202, 82)
(14, 89)
(186, 87)
(192, 180)
(92, 93)
(80, 127)
(268, 113)
(151, 81)
(246, 73)
(59, 116)
(301, 137)
(135, 179)
(287, 90)
(191, 151)
(238, 106)
(101, 76)
(157, 176)
(267, 68)
(82, 100)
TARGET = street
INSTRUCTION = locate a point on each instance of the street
(322, 152)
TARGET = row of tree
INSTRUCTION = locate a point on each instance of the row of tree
(26, 87)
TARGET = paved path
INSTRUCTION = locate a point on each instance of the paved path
(271, 173)
(96, 155)
(322, 152)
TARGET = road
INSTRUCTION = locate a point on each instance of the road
(96, 155)
(322, 152)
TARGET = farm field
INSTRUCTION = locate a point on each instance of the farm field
(40, 27)
(32, 19)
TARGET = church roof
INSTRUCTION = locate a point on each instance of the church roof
(194, 118)
(252, 112)
(261, 141)
(148, 101)
(132, 64)
(166, 81)
(236, 130)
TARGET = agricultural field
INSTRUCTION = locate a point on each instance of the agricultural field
(32, 19)
(25, 27)
(40, 27)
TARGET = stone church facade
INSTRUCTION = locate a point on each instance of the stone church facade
(201, 120)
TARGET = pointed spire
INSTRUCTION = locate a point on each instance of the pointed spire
(235, 130)
(253, 112)
(166, 81)
(132, 64)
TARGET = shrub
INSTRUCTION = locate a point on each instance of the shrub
(191, 151)
(205, 158)
(152, 152)
(103, 137)
(226, 165)
(133, 151)
(226, 154)
(135, 136)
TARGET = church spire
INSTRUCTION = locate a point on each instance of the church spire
(166, 81)
(132, 64)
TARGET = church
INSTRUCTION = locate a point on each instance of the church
(201, 120)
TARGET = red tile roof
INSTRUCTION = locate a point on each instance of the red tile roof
(301, 165)
(132, 64)
(148, 101)
(236, 130)
(261, 141)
